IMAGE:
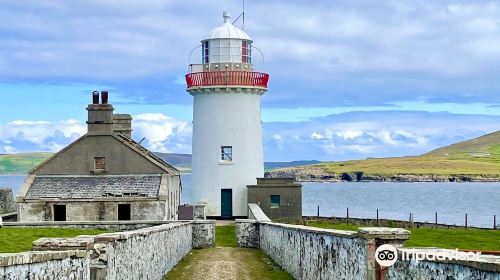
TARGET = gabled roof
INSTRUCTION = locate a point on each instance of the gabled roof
(131, 144)
(145, 153)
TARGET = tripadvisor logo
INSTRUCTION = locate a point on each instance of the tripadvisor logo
(386, 255)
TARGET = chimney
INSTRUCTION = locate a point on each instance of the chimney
(122, 123)
(100, 120)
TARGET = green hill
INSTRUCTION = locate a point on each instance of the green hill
(20, 163)
(472, 160)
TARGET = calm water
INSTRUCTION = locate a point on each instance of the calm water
(394, 200)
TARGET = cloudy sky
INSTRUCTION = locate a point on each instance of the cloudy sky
(349, 79)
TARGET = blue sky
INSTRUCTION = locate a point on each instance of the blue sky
(349, 79)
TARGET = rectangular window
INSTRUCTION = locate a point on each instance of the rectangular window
(60, 213)
(124, 213)
(226, 153)
(204, 52)
(275, 201)
(99, 164)
(244, 53)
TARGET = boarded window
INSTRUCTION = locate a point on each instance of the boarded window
(227, 153)
(275, 201)
(124, 213)
(99, 164)
(60, 213)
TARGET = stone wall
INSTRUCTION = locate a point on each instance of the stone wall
(98, 210)
(147, 253)
(7, 204)
(485, 268)
(142, 254)
(45, 265)
(308, 253)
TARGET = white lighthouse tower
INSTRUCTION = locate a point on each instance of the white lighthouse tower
(227, 128)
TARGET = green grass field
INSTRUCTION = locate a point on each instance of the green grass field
(18, 239)
(471, 239)
(225, 236)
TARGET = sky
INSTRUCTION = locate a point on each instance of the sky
(349, 79)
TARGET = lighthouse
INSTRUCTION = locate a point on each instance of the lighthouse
(227, 126)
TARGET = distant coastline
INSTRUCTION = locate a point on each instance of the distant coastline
(317, 174)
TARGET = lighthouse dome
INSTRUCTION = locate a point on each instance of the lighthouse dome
(227, 31)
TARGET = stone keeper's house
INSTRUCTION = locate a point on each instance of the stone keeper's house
(104, 175)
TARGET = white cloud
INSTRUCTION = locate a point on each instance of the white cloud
(161, 133)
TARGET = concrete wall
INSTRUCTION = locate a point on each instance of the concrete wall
(486, 268)
(7, 204)
(93, 210)
(46, 265)
(78, 158)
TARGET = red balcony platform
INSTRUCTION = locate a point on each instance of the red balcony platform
(227, 78)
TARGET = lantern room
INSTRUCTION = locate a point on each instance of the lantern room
(226, 44)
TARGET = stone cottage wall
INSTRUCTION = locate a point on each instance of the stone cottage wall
(485, 268)
(45, 265)
(7, 204)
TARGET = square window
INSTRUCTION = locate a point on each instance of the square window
(99, 164)
(275, 201)
(226, 153)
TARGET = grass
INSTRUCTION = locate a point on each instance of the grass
(470, 239)
(225, 236)
(227, 261)
(18, 239)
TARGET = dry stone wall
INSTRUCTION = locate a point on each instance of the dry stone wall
(45, 265)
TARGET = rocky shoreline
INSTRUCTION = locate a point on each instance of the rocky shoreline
(316, 174)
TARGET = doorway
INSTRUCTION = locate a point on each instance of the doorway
(226, 203)
(60, 213)
(124, 213)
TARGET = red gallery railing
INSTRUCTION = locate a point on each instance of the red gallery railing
(227, 78)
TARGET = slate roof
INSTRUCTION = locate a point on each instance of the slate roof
(85, 187)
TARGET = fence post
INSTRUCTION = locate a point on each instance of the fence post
(494, 221)
(347, 215)
(436, 219)
(377, 216)
(465, 220)
(318, 211)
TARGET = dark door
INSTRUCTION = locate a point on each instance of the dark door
(226, 203)
(60, 213)
(124, 212)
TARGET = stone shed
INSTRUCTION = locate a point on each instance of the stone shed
(279, 198)
(104, 175)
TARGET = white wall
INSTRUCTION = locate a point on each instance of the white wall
(226, 119)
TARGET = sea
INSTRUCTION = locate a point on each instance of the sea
(451, 201)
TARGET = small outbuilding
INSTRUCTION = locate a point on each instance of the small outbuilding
(104, 175)
(279, 198)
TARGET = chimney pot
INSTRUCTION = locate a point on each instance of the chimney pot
(95, 97)
(104, 97)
